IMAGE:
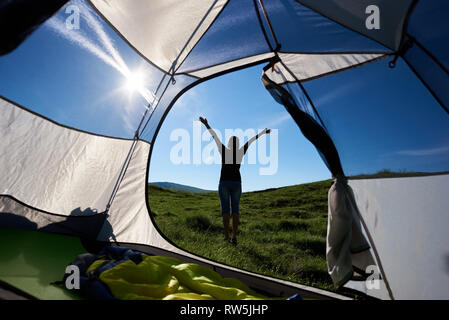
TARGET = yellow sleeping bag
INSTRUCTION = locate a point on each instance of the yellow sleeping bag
(158, 277)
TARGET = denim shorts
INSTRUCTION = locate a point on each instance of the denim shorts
(229, 192)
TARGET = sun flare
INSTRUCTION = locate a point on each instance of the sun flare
(135, 82)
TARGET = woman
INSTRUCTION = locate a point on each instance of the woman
(230, 186)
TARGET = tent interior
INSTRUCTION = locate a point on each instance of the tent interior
(373, 102)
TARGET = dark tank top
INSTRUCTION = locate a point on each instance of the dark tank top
(230, 165)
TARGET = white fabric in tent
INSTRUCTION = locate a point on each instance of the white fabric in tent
(56, 169)
(414, 255)
(304, 67)
(160, 29)
(203, 73)
(77, 173)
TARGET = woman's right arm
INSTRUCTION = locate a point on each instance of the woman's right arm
(213, 134)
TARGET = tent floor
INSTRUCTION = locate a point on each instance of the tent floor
(30, 261)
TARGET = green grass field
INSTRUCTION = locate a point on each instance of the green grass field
(282, 231)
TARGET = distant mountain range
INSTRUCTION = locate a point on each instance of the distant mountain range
(182, 187)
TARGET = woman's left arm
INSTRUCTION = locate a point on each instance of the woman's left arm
(257, 136)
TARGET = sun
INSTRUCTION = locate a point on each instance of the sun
(135, 82)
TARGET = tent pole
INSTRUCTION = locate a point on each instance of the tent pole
(153, 107)
(267, 19)
(275, 50)
(173, 68)
(133, 145)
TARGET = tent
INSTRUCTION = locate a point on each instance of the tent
(388, 149)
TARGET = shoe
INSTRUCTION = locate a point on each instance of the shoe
(234, 241)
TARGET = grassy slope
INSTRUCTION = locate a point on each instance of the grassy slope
(282, 231)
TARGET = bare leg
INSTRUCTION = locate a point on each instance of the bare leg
(226, 225)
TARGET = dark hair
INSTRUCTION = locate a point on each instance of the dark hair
(233, 143)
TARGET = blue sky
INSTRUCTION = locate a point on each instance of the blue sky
(237, 100)
(379, 118)
(382, 118)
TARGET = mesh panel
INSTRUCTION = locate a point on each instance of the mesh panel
(153, 120)
(300, 29)
(432, 75)
(77, 77)
(235, 34)
(310, 128)
(301, 100)
(281, 76)
(356, 15)
(304, 104)
(430, 26)
(382, 119)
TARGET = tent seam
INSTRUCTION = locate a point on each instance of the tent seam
(262, 28)
(188, 72)
(125, 39)
(338, 70)
(428, 53)
(47, 212)
(17, 105)
(204, 33)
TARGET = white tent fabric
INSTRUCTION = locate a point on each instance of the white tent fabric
(207, 72)
(77, 173)
(304, 67)
(161, 30)
(128, 219)
(414, 255)
(56, 169)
